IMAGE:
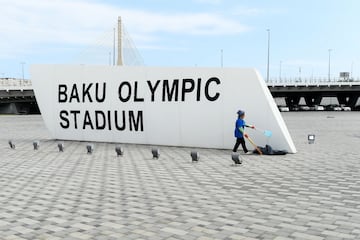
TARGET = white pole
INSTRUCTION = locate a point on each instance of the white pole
(22, 70)
(120, 57)
(268, 56)
(329, 65)
(280, 72)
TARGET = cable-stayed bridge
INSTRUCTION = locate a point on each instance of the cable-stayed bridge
(17, 96)
(116, 47)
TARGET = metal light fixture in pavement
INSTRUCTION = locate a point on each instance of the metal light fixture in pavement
(61, 147)
(311, 138)
(90, 148)
(236, 158)
(11, 144)
(156, 153)
(119, 151)
(195, 156)
(36, 145)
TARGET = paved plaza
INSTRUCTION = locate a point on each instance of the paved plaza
(314, 194)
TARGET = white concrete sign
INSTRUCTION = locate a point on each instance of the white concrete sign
(193, 107)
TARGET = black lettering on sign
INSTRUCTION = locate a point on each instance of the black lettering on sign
(120, 127)
(198, 92)
(170, 93)
(135, 124)
(64, 117)
(62, 96)
(109, 117)
(100, 117)
(74, 94)
(136, 98)
(87, 120)
(186, 89)
(102, 97)
(121, 91)
(86, 92)
(75, 113)
(207, 85)
(153, 88)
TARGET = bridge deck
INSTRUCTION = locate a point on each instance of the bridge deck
(18, 90)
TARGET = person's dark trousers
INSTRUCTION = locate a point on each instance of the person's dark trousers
(238, 141)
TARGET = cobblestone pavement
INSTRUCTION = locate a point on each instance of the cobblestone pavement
(314, 194)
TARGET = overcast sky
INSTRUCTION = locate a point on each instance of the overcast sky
(185, 33)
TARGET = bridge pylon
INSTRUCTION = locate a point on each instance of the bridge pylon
(347, 99)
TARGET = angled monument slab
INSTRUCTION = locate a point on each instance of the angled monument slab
(193, 107)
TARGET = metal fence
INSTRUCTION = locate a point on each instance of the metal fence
(26, 83)
(15, 83)
(312, 81)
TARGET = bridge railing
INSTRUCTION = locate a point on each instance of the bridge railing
(15, 84)
(312, 82)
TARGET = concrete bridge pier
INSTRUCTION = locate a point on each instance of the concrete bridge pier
(19, 108)
(347, 99)
(313, 100)
(292, 100)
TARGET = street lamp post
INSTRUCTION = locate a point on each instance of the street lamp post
(268, 56)
(280, 72)
(312, 75)
(22, 70)
(329, 64)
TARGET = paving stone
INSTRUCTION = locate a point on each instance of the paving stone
(338, 234)
(310, 195)
(306, 236)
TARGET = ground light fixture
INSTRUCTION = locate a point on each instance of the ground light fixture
(119, 151)
(11, 144)
(156, 153)
(36, 145)
(90, 148)
(195, 156)
(236, 158)
(311, 138)
(61, 147)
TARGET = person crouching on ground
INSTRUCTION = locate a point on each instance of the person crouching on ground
(240, 132)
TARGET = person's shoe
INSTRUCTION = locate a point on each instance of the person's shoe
(248, 153)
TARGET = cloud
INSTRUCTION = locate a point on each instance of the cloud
(254, 11)
(28, 25)
(244, 11)
(185, 24)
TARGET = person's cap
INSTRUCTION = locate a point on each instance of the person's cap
(240, 112)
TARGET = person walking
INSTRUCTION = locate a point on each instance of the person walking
(240, 132)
